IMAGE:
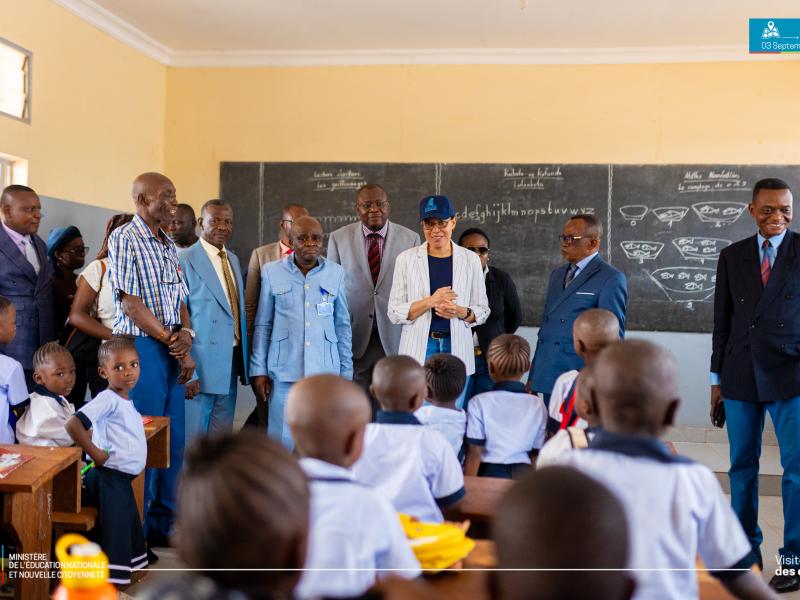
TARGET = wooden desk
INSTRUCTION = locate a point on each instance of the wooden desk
(468, 583)
(50, 482)
(157, 434)
(480, 503)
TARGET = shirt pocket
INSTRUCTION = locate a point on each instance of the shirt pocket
(331, 357)
(283, 297)
(278, 349)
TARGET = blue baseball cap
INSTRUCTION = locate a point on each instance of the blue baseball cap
(435, 207)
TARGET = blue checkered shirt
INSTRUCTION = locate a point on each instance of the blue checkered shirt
(141, 264)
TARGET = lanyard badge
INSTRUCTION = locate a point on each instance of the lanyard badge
(325, 308)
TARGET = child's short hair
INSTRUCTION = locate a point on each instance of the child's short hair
(4, 304)
(238, 495)
(510, 354)
(115, 344)
(47, 351)
(446, 375)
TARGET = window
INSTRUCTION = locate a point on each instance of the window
(15, 81)
(13, 170)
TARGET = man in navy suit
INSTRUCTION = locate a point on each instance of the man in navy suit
(216, 306)
(585, 281)
(25, 274)
(755, 362)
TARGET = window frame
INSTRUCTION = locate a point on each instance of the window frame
(26, 110)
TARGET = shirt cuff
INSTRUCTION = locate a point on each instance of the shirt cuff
(85, 421)
(453, 498)
(715, 378)
(475, 441)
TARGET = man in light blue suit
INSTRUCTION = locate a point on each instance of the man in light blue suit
(585, 281)
(216, 305)
(302, 326)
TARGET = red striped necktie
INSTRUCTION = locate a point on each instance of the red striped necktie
(766, 269)
(374, 256)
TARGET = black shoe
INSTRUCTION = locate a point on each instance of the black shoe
(152, 557)
(785, 583)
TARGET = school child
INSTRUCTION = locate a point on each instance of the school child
(675, 507)
(43, 422)
(13, 389)
(446, 375)
(557, 518)
(574, 437)
(110, 431)
(593, 330)
(353, 529)
(412, 466)
(504, 425)
(242, 521)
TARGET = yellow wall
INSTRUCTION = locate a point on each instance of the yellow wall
(98, 107)
(695, 113)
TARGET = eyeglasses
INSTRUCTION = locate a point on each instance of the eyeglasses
(431, 224)
(289, 221)
(79, 251)
(482, 250)
(569, 239)
(309, 240)
(379, 204)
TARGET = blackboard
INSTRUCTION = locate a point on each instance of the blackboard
(664, 224)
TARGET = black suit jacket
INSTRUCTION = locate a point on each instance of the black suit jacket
(756, 341)
(504, 303)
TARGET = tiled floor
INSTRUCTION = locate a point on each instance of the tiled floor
(716, 456)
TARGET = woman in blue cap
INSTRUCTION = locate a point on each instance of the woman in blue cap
(66, 253)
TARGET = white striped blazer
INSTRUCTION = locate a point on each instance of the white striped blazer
(412, 282)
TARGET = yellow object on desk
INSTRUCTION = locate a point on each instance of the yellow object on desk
(437, 546)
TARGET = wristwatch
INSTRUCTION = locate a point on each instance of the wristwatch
(469, 314)
(189, 331)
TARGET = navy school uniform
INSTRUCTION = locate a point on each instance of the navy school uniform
(116, 427)
(675, 509)
(508, 424)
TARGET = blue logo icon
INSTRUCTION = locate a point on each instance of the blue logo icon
(431, 206)
(774, 36)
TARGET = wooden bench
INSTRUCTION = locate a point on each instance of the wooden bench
(84, 520)
(157, 434)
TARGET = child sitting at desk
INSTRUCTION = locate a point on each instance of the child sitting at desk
(242, 504)
(110, 431)
(447, 376)
(13, 389)
(43, 422)
(593, 330)
(412, 466)
(355, 534)
(675, 507)
(504, 425)
(555, 519)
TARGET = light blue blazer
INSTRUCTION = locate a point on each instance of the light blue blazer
(212, 320)
(293, 334)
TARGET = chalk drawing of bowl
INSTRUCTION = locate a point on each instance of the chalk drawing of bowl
(670, 214)
(719, 212)
(700, 248)
(686, 284)
(641, 250)
(633, 212)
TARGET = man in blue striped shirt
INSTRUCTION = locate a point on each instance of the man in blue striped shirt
(150, 295)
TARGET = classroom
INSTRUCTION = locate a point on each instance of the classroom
(657, 137)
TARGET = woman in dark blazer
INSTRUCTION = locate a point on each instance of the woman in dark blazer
(506, 310)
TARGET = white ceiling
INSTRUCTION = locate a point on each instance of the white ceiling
(254, 31)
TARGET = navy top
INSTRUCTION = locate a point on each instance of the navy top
(441, 275)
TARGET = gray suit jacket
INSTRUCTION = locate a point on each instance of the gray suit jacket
(366, 301)
(260, 256)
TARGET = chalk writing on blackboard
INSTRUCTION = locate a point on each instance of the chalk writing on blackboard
(496, 212)
(670, 214)
(700, 248)
(530, 178)
(324, 180)
(686, 285)
(712, 181)
(633, 213)
(641, 250)
(719, 212)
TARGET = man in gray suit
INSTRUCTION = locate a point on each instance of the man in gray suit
(265, 254)
(367, 250)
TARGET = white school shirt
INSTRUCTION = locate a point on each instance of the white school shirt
(354, 530)
(561, 389)
(507, 423)
(450, 422)
(675, 510)
(412, 466)
(559, 444)
(44, 420)
(117, 427)
(13, 390)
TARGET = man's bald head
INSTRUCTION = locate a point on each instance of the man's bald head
(635, 385)
(148, 183)
(595, 329)
(531, 531)
(398, 383)
(327, 415)
(154, 195)
(289, 213)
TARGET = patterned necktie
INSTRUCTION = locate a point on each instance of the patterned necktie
(766, 269)
(570, 275)
(233, 297)
(374, 256)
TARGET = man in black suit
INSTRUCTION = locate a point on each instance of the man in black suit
(755, 364)
(506, 310)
